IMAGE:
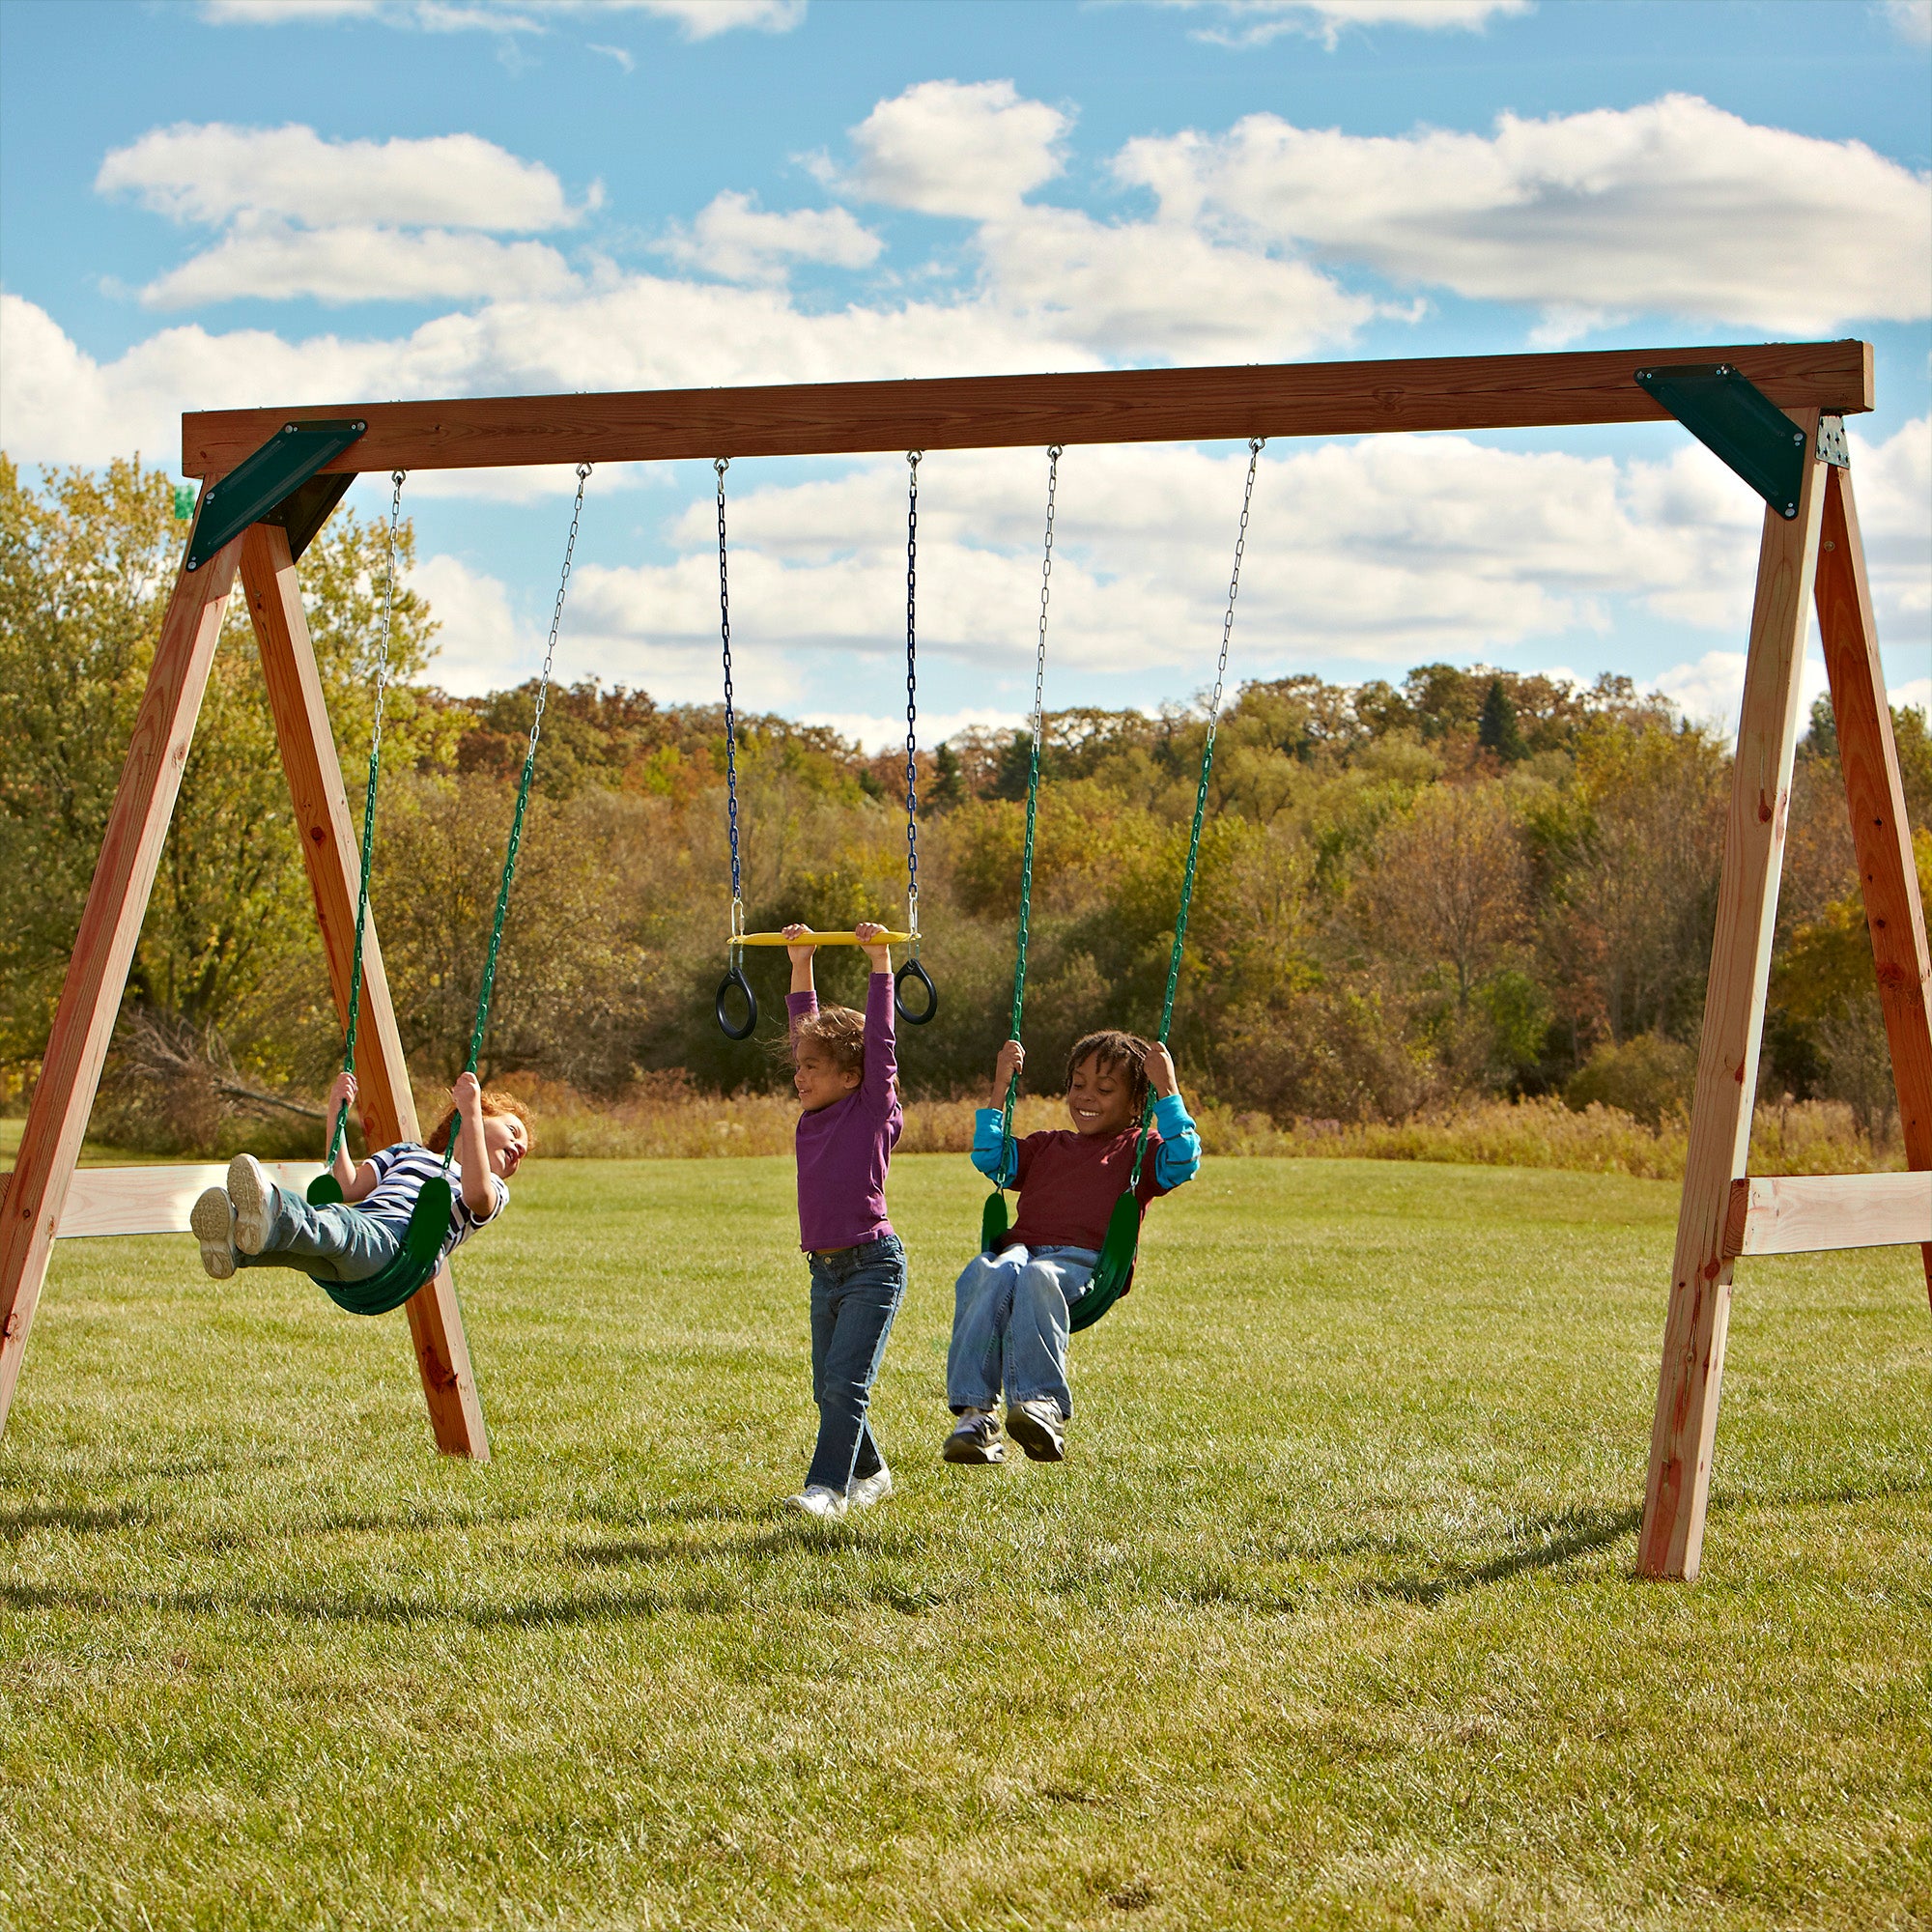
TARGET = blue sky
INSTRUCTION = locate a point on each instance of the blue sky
(217, 202)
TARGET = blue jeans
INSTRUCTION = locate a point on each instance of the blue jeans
(339, 1243)
(1009, 1324)
(855, 1293)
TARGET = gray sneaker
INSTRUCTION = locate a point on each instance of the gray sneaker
(975, 1439)
(253, 1194)
(862, 1491)
(1038, 1428)
(212, 1221)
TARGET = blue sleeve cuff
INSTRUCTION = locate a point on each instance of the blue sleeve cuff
(1177, 1158)
(994, 1155)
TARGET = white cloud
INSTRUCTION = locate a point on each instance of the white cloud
(1161, 289)
(743, 244)
(1674, 208)
(699, 19)
(212, 173)
(275, 261)
(948, 148)
(1914, 695)
(1132, 289)
(1252, 22)
(1913, 19)
(874, 733)
(626, 60)
(480, 646)
(1711, 690)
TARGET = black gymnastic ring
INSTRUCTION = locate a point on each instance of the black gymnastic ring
(925, 978)
(736, 978)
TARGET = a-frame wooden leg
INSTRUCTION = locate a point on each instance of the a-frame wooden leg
(117, 901)
(1677, 1488)
(1887, 876)
(330, 851)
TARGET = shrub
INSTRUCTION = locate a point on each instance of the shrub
(1648, 1079)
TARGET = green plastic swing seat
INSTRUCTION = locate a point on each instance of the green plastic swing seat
(1113, 1273)
(415, 1263)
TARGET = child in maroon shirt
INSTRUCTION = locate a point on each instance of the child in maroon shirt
(1009, 1319)
(844, 1068)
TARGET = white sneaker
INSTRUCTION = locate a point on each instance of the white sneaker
(825, 1505)
(862, 1491)
(213, 1220)
(253, 1195)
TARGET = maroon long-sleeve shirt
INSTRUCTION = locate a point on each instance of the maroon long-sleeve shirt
(844, 1150)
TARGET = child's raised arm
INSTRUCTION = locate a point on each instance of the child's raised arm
(1176, 1160)
(356, 1182)
(341, 1097)
(995, 1153)
(882, 1049)
(800, 955)
(473, 1151)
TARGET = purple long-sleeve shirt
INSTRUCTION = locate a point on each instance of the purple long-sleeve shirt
(844, 1150)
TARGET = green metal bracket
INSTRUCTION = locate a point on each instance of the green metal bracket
(268, 486)
(1731, 416)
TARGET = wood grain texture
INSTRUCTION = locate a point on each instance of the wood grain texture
(154, 1200)
(1881, 836)
(110, 924)
(1691, 1375)
(329, 850)
(1804, 1214)
(1452, 393)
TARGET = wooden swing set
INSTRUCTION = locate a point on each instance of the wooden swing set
(1775, 412)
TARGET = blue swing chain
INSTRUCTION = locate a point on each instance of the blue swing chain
(721, 465)
(1256, 445)
(912, 697)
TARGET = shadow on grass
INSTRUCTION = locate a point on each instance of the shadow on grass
(1575, 1533)
(82, 1517)
(297, 1607)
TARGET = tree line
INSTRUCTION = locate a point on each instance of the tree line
(1471, 882)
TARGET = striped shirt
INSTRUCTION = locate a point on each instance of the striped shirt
(403, 1171)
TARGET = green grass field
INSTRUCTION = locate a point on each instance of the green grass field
(1328, 1620)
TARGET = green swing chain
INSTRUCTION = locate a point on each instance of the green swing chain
(341, 1129)
(523, 803)
(1033, 790)
(1256, 445)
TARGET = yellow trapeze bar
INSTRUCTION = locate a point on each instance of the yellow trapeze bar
(819, 939)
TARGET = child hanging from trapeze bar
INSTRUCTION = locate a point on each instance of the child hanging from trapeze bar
(254, 1222)
(844, 1068)
(1011, 1305)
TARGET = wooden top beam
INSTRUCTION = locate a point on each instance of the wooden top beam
(1453, 392)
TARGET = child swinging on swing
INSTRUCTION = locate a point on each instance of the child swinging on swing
(253, 1223)
(1011, 1307)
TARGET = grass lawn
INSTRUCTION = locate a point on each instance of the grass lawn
(1328, 1620)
